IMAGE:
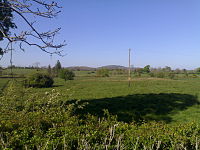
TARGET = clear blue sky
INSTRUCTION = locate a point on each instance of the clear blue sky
(99, 32)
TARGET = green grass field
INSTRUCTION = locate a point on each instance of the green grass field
(147, 99)
(22, 72)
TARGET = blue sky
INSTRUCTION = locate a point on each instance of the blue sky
(100, 32)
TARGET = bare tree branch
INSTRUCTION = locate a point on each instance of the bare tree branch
(40, 8)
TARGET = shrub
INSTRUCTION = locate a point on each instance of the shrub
(152, 74)
(160, 74)
(198, 70)
(146, 69)
(103, 72)
(91, 72)
(171, 75)
(39, 80)
(138, 74)
(66, 74)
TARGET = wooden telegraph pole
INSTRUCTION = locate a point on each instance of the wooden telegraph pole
(11, 62)
(129, 70)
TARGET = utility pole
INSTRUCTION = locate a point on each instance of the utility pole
(129, 70)
(11, 62)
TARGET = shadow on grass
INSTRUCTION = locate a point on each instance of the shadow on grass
(139, 107)
(10, 77)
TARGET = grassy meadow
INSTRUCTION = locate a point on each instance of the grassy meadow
(146, 99)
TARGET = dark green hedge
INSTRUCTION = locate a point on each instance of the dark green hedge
(39, 80)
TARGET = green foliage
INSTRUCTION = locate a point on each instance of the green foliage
(66, 74)
(49, 70)
(167, 69)
(119, 72)
(198, 70)
(39, 80)
(171, 75)
(102, 72)
(158, 74)
(162, 74)
(34, 119)
(56, 69)
(58, 65)
(6, 19)
(146, 69)
(138, 74)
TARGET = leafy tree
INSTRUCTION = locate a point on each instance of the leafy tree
(66, 74)
(49, 70)
(57, 68)
(146, 69)
(167, 69)
(6, 20)
(58, 65)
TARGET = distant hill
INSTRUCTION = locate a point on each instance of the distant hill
(112, 67)
(81, 68)
(85, 68)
